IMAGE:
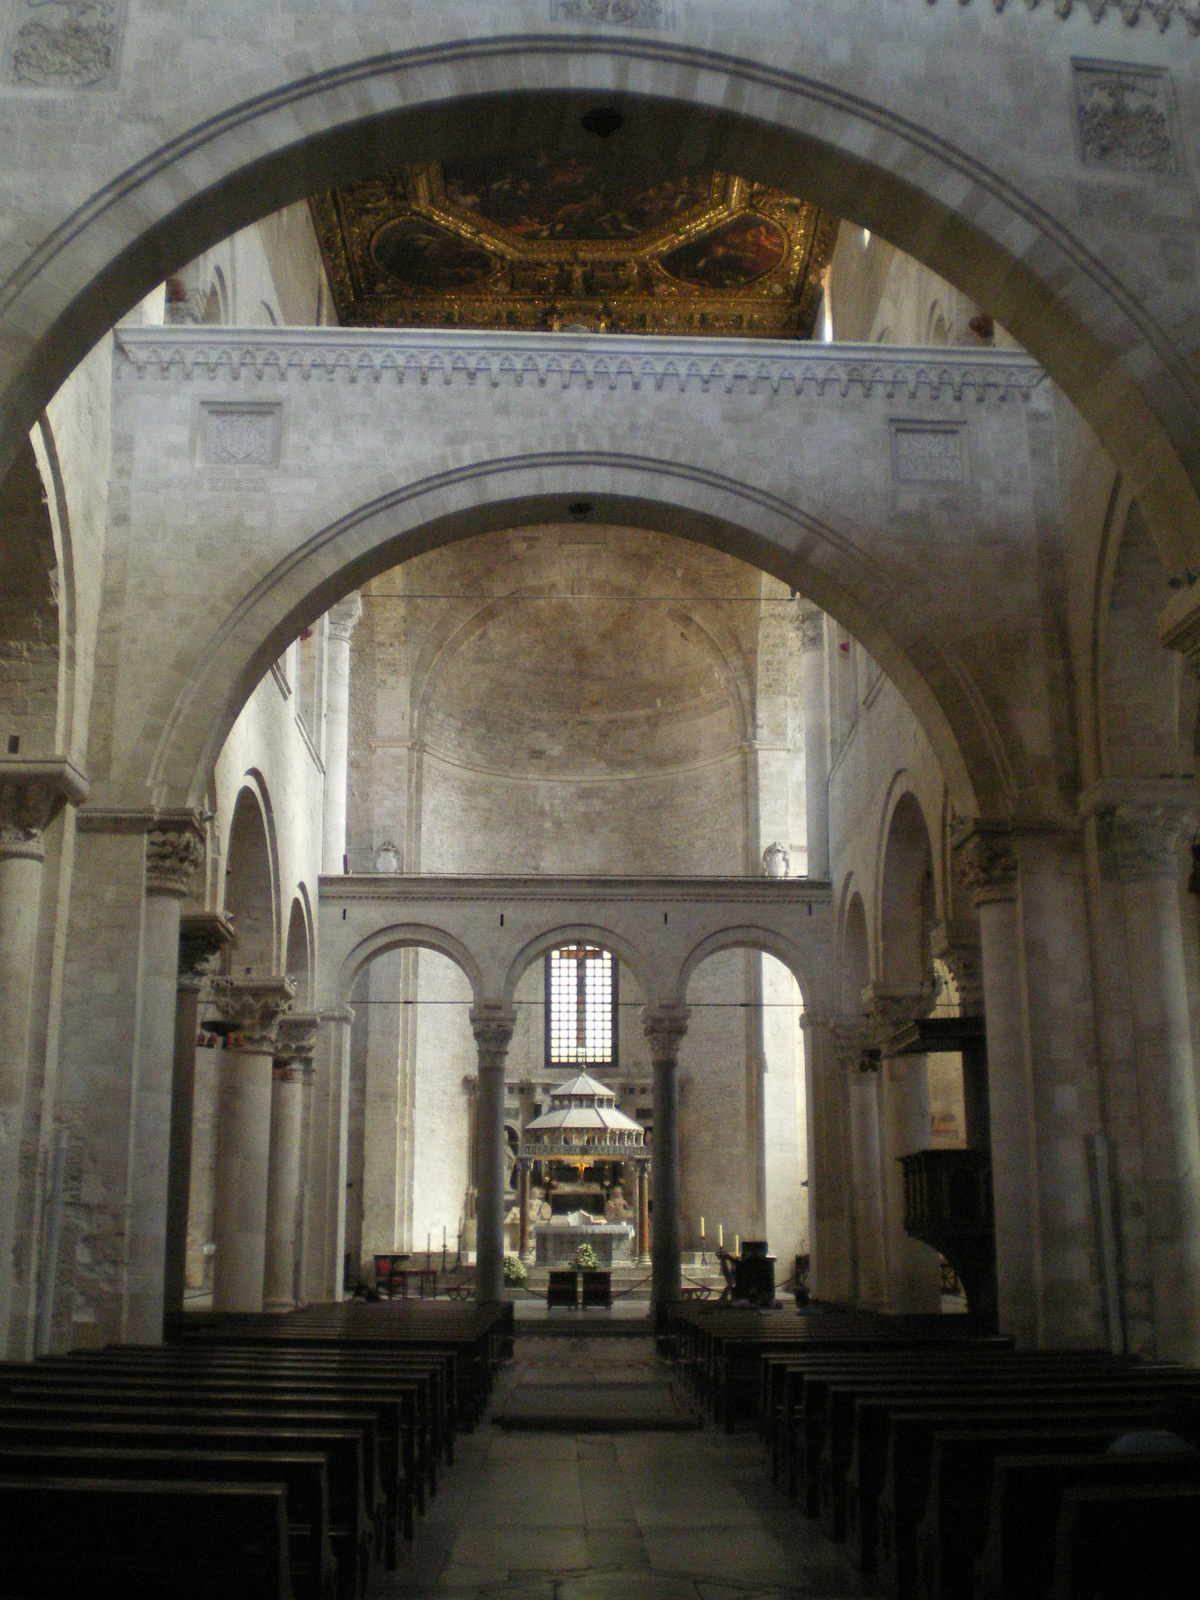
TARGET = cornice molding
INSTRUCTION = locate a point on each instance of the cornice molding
(1160, 12)
(430, 887)
(587, 361)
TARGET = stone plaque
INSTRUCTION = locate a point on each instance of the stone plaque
(241, 435)
(926, 454)
(618, 13)
(64, 44)
(1124, 117)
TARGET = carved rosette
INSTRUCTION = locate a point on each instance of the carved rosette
(664, 1032)
(1142, 824)
(32, 793)
(251, 1009)
(493, 1032)
(986, 859)
(202, 937)
(174, 849)
(344, 617)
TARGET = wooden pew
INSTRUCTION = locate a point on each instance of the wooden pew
(1017, 1561)
(84, 1538)
(1128, 1544)
(310, 1556)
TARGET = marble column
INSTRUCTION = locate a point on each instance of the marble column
(831, 1246)
(291, 1084)
(251, 1009)
(986, 860)
(1143, 824)
(326, 1112)
(174, 849)
(343, 619)
(493, 1030)
(816, 741)
(913, 1274)
(665, 1031)
(32, 793)
(643, 1214)
(861, 1068)
(202, 937)
(523, 1193)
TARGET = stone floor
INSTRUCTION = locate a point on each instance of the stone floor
(638, 1515)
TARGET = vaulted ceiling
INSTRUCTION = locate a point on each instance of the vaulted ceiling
(592, 240)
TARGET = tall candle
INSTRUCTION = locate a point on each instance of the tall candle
(720, 1236)
(702, 1227)
(737, 1245)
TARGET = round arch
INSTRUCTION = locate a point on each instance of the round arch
(584, 933)
(633, 491)
(904, 908)
(401, 936)
(251, 888)
(749, 938)
(299, 945)
(854, 947)
(852, 145)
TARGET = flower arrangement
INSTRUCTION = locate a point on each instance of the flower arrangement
(514, 1272)
(586, 1258)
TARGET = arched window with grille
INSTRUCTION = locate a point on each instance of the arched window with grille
(581, 1007)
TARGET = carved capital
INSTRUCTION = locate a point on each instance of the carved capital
(345, 616)
(32, 793)
(251, 1009)
(295, 1042)
(202, 937)
(174, 849)
(664, 1032)
(1142, 823)
(850, 1039)
(493, 1030)
(964, 958)
(890, 1010)
(810, 625)
(986, 859)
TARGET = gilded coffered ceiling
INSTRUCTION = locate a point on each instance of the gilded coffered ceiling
(594, 240)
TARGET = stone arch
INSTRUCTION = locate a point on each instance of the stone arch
(251, 882)
(748, 937)
(409, 936)
(33, 639)
(298, 948)
(1148, 701)
(905, 901)
(650, 981)
(855, 963)
(632, 491)
(862, 158)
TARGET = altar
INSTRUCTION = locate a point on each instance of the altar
(557, 1241)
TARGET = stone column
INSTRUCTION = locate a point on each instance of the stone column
(523, 1242)
(343, 619)
(830, 1240)
(665, 1031)
(202, 937)
(913, 1275)
(816, 741)
(643, 1214)
(291, 1083)
(174, 849)
(493, 1029)
(251, 1009)
(1143, 825)
(861, 1068)
(987, 865)
(961, 953)
(323, 1228)
(32, 793)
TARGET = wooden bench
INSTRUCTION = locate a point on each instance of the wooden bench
(1017, 1561)
(84, 1538)
(1128, 1544)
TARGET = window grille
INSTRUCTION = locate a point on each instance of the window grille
(581, 1007)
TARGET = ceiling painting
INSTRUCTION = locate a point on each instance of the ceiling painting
(628, 244)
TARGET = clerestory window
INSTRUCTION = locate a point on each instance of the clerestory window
(581, 1007)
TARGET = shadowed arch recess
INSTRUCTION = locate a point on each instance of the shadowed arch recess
(765, 940)
(408, 936)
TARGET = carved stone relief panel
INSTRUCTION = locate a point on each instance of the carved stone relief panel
(927, 453)
(64, 44)
(1124, 116)
(245, 435)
